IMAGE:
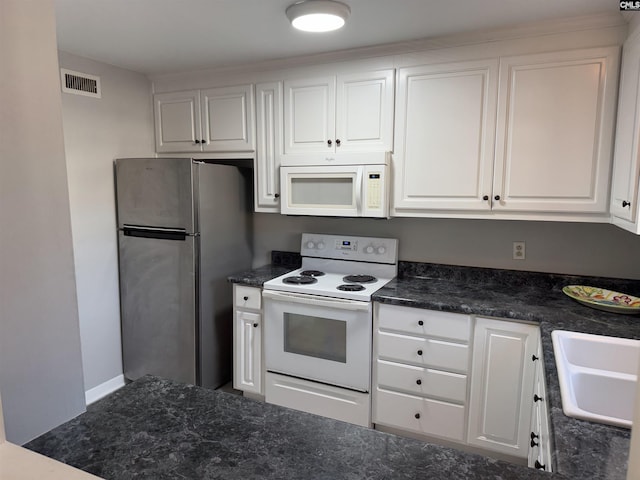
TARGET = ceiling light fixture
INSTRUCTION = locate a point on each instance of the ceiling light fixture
(318, 15)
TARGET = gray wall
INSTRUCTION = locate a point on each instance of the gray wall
(96, 131)
(572, 248)
(40, 361)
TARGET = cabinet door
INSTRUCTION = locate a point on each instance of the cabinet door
(502, 383)
(177, 121)
(227, 116)
(624, 194)
(445, 126)
(309, 115)
(364, 111)
(266, 173)
(554, 131)
(247, 365)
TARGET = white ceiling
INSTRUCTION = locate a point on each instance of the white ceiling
(158, 36)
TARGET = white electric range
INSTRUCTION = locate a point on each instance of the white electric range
(318, 324)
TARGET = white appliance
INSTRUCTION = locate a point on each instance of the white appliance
(331, 186)
(319, 322)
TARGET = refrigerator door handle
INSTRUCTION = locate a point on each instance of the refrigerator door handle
(159, 233)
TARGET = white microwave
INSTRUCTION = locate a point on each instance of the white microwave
(335, 190)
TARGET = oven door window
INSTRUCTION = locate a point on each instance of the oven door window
(315, 337)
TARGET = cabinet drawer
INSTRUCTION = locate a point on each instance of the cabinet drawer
(422, 415)
(422, 381)
(423, 351)
(247, 297)
(431, 323)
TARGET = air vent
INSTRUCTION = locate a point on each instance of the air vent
(80, 83)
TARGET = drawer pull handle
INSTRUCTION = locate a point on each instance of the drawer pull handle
(420, 322)
(245, 298)
(419, 352)
(539, 466)
(417, 415)
(536, 398)
(419, 382)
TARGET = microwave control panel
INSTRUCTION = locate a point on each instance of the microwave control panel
(374, 190)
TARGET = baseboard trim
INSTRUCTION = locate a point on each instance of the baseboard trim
(104, 389)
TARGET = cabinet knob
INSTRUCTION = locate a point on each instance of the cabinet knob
(329, 142)
(277, 195)
(417, 415)
(197, 141)
(485, 198)
(534, 358)
(536, 398)
(533, 440)
(255, 325)
(497, 197)
(420, 322)
(419, 352)
(539, 466)
(338, 142)
(419, 382)
(625, 203)
(245, 298)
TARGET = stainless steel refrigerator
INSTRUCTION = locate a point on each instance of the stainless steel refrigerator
(183, 227)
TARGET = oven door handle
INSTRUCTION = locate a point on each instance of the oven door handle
(316, 300)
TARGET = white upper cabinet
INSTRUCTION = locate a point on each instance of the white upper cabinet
(554, 133)
(445, 129)
(624, 187)
(269, 147)
(527, 136)
(227, 119)
(177, 121)
(350, 113)
(213, 120)
(309, 115)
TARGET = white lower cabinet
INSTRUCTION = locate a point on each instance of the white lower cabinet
(502, 385)
(466, 379)
(421, 361)
(247, 340)
(540, 444)
(418, 414)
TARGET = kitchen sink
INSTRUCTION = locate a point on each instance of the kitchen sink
(598, 376)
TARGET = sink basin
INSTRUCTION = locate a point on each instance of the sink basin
(598, 376)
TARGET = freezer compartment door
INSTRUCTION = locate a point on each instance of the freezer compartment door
(156, 192)
(158, 306)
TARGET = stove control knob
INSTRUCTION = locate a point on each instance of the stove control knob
(310, 245)
(320, 246)
(368, 249)
(381, 250)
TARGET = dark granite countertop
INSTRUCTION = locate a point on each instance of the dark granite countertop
(581, 449)
(281, 263)
(156, 429)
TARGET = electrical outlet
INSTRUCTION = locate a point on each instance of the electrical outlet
(519, 251)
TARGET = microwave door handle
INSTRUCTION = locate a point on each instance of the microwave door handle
(359, 191)
(316, 300)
